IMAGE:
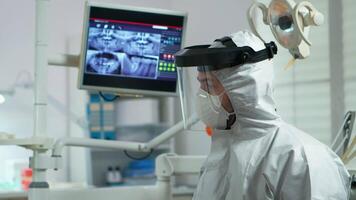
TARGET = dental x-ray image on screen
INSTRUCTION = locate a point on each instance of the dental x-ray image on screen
(105, 63)
(142, 53)
(130, 50)
(117, 52)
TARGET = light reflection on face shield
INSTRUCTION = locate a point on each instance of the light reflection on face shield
(210, 83)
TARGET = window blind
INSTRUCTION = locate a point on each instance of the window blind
(302, 92)
(349, 45)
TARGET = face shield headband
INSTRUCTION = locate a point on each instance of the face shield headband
(220, 58)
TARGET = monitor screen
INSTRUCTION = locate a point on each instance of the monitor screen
(130, 50)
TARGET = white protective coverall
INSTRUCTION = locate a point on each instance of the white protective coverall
(261, 156)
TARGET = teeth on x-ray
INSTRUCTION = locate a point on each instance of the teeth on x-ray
(104, 63)
(133, 43)
(141, 66)
(140, 51)
(143, 44)
(105, 40)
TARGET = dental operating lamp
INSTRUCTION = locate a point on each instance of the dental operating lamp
(289, 22)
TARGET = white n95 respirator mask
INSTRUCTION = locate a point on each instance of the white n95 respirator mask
(210, 110)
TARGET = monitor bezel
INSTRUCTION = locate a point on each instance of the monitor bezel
(123, 91)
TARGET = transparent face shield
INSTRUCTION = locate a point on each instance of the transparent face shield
(204, 99)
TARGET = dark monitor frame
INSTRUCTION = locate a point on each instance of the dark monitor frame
(126, 90)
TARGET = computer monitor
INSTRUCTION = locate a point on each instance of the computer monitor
(130, 50)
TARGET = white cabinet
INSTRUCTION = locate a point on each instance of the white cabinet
(135, 120)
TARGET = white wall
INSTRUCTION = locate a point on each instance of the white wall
(17, 50)
(16, 113)
(211, 19)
